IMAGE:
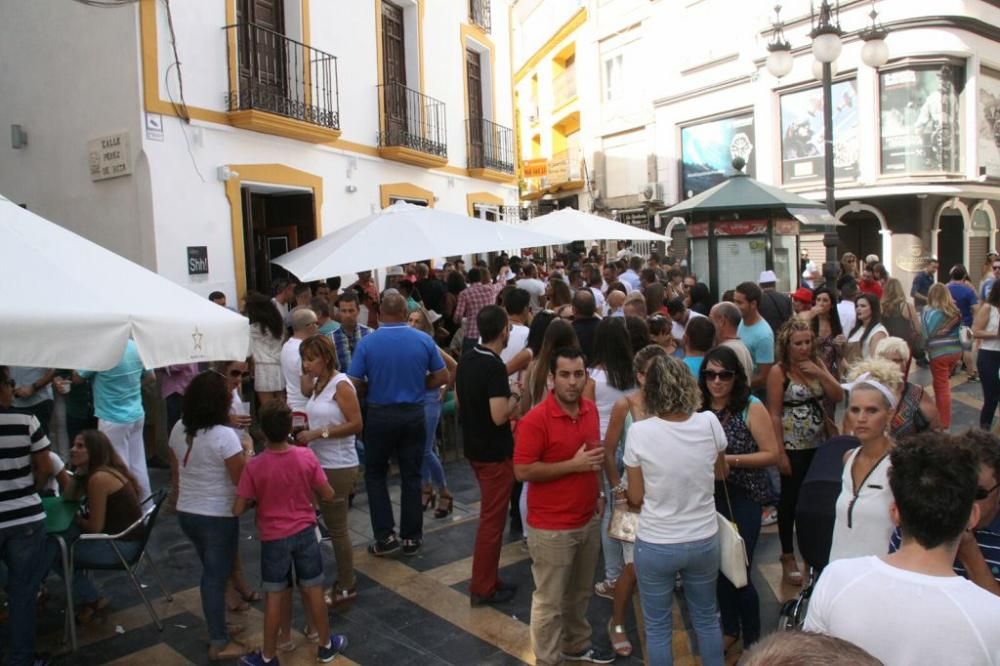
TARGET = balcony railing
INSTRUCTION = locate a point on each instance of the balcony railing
(282, 76)
(564, 166)
(412, 120)
(564, 86)
(490, 146)
(479, 13)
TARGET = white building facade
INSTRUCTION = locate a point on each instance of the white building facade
(202, 139)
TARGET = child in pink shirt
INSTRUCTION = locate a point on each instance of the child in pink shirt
(283, 481)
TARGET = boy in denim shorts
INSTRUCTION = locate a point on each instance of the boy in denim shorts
(283, 481)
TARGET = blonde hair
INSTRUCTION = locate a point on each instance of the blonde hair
(893, 296)
(890, 346)
(645, 355)
(670, 388)
(880, 370)
(783, 344)
(939, 298)
(425, 321)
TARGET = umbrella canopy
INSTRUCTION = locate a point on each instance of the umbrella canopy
(70, 303)
(569, 224)
(399, 234)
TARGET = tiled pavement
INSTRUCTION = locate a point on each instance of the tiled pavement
(409, 611)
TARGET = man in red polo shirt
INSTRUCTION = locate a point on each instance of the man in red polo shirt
(558, 451)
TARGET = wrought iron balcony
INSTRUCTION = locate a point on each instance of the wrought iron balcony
(281, 76)
(479, 13)
(490, 146)
(413, 121)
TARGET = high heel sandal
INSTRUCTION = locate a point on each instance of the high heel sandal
(622, 646)
(790, 574)
(428, 498)
(445, 506)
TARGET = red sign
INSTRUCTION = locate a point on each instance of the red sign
(737, 228)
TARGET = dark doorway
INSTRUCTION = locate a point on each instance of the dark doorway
(273, 223)
(860, 235)
(951, 239)
(394, 71)
(262, 51)
(474, 85)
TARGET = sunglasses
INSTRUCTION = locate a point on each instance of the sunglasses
(997, 267)
(723, 376)
(982, 493)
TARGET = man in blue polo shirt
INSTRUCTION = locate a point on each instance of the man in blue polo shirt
(393, 367)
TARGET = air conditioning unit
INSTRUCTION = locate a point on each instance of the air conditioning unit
(652, 192)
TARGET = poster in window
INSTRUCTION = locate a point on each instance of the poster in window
(708, 150)
(921, 119)
(989, 124)
(802, 133)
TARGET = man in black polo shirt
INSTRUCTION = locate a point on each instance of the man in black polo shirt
(485, 405)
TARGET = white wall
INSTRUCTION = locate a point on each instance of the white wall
(68, 74)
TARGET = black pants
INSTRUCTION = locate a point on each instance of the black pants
(174, 402)
(43, 412)
(800, 461)
(988, 366)
(740, 608)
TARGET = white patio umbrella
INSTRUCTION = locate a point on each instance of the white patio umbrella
(69, 303)
(569, 224)
(399, 234)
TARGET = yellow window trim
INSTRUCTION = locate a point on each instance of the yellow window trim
(488, 198)
(565, 31)
(406, 191)
(271, 174)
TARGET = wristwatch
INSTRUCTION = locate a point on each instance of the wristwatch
(326, 433)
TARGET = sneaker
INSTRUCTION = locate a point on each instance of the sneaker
(594, 655)
(973, 377)
(337, 644)
(257, 659)
(606, 589)
(411, 546)
(385, 547)
(501, 595)
(769, 516)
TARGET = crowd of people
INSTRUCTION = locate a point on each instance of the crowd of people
(613, 414)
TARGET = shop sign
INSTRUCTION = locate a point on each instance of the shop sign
(736, 228)
(535, 168)
(708, 150)
(912, 259)
(802, 135)
(109, 156)
(197, 260)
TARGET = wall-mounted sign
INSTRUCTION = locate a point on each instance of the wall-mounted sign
(736, 228)
(802, 133)
(535, 168)
(154, 126)
(708, 150)
(921, 119)
(197, 260)
(109, 156)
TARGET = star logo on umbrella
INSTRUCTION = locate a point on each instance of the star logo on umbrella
(196, 337)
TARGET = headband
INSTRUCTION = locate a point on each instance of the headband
(867, 380)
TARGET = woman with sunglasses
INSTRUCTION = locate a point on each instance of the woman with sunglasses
(986, 329)
(863, 524)
(796, 386)
(849, 265)
(751, 447)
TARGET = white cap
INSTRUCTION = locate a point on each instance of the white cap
(395, 270)
(432, 316)
(767, 276)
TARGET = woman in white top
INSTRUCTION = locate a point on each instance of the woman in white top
(207, 460)
(863, 525)
(672, 460)
(986, 329)
(868, 329)
(334, 421)
(612, 377)
(267, 334)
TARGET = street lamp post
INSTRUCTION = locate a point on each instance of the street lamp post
(826, 46)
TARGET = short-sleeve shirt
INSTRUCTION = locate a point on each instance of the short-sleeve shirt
(118, 391)
(548, 434)
(965, 298)
(988, 539)
(694, 364)
(482, 376)
(922, 283)
(20, 435)
(759, 339)
(205, 487)
(291, 370)
(395, 360)
(283, 483)
(26, 377)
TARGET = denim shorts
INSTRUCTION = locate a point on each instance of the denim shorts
(302, 550)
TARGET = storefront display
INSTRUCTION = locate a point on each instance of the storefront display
(802, 133)
(708, 150)
(920, 119)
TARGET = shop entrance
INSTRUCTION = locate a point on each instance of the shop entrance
(275, 221)
(860, 235)
(950, 243)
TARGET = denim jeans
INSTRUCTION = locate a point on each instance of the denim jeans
(395, 429)
(611, 548)
(988, 365)
(656, 568)
(216, 540)
(740, 608)
(432, 471)
(278, 556)
(23, 549)
(87, 555)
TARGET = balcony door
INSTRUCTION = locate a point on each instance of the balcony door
(394, 72)
(262, 55)
(474, 90)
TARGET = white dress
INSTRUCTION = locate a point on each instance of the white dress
(266, 352)
(863, 526)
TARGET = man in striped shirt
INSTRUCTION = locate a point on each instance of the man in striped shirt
(24, 465)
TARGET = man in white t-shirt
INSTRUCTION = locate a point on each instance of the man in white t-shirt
(517, 304)
(535, 287)
(304, 324)
(910, 607)
(680, 316)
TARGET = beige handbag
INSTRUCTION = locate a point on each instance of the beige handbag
(733, 562)
(623, 521)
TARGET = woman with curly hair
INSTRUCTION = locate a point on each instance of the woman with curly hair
(796, 386)
(672, 459)
(267, 334)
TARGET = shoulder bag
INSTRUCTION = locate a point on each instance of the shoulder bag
(733, 562)
(622, 522)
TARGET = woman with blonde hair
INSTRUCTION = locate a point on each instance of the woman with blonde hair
(915, 410)
(941, 321)
(898, 314)
(796, 386)
(672, 459)
(863, 524)
(849, 265)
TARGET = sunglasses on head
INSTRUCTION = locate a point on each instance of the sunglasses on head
(983, 493)
(723, 375)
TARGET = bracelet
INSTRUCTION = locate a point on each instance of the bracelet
(736, 463)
